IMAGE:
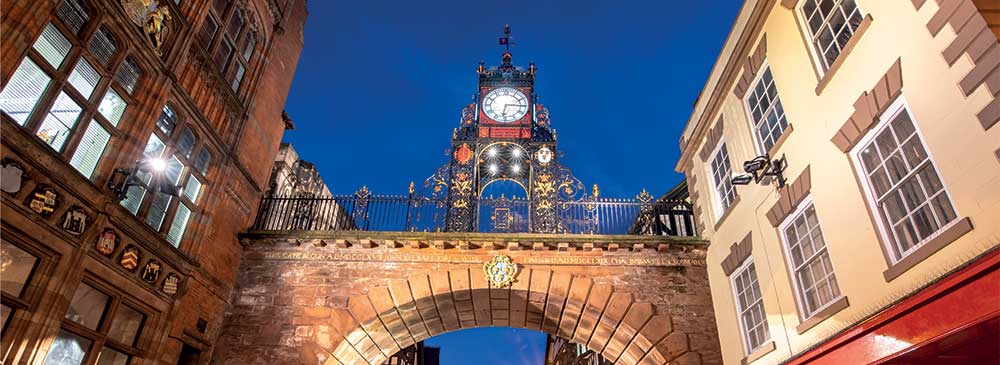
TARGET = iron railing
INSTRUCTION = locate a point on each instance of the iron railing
(604, 216)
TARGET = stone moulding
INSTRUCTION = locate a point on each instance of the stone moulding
(476, 241)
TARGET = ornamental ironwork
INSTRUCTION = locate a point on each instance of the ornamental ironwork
(504, 136)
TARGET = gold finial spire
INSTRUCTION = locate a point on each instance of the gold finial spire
(411, 187)
(597, 192)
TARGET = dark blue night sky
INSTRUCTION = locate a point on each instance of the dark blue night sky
(380, 86)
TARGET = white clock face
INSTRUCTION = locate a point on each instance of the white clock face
(505, 105)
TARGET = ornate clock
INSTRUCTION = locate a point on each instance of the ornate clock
(505, 105)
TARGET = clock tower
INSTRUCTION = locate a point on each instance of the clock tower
(505, 135)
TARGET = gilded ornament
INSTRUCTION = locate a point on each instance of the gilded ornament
(43, 200)
(463, 154)
(500, 271)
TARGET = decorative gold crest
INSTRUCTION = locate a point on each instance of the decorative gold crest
(43, 200)
(149, 15)
(500, 271)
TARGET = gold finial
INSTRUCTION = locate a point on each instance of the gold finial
(597, 192)
(411, 187)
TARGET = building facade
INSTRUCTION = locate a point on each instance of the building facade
(872, 238)
(131, 139)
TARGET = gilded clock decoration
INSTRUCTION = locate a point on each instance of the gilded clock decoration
(543, 155)
(463, 154)
(505, 104)
(500, 271)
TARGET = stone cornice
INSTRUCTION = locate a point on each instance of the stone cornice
(477, 241)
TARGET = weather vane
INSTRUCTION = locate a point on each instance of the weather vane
(505, 40)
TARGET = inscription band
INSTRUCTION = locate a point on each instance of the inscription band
(477, 259)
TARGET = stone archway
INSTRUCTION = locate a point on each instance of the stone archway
(358, 298)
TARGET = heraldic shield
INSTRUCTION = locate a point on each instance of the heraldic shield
(500, 271)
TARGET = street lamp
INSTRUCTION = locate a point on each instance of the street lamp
(121, 179)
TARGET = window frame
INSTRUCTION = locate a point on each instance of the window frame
(744, 332)
(885, 235)
(758, 143)
(101, 338)
(818, 59)
(800, 298)
(59, 83)
(33, 287)
(188, 171)
(228, 69)
(717, 201)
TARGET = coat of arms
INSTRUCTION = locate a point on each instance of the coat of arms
(171, 283)
(75, 221)
(151, 271)
(463, 154)
(43, 200)
(543, 155)
(500, 271)
(107, 242)
(130, 258)
(150, 16)
(11, 177)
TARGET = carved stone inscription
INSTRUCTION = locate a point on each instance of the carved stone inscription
(477, 259)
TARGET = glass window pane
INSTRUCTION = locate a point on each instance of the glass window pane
(192, 188)
(126, 324)
(91, 148)
(172, 173)
(112, 107)
(222, 54)
(154, 148)
(52, 45)
(112, 357)
(208, 30)
(133, 198)
(16, 268)
(88, 306)
(186, 143)
(249, 44)
(74, 14)
(220, 6)
(128, 74)
(103, 46)
(67, 349)
(204, 159)
(235, 24)
(59, 122)
(167, 120)
(84, 78)
(179, 224)
(19, 98)
(238, 77)
(158, 210)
